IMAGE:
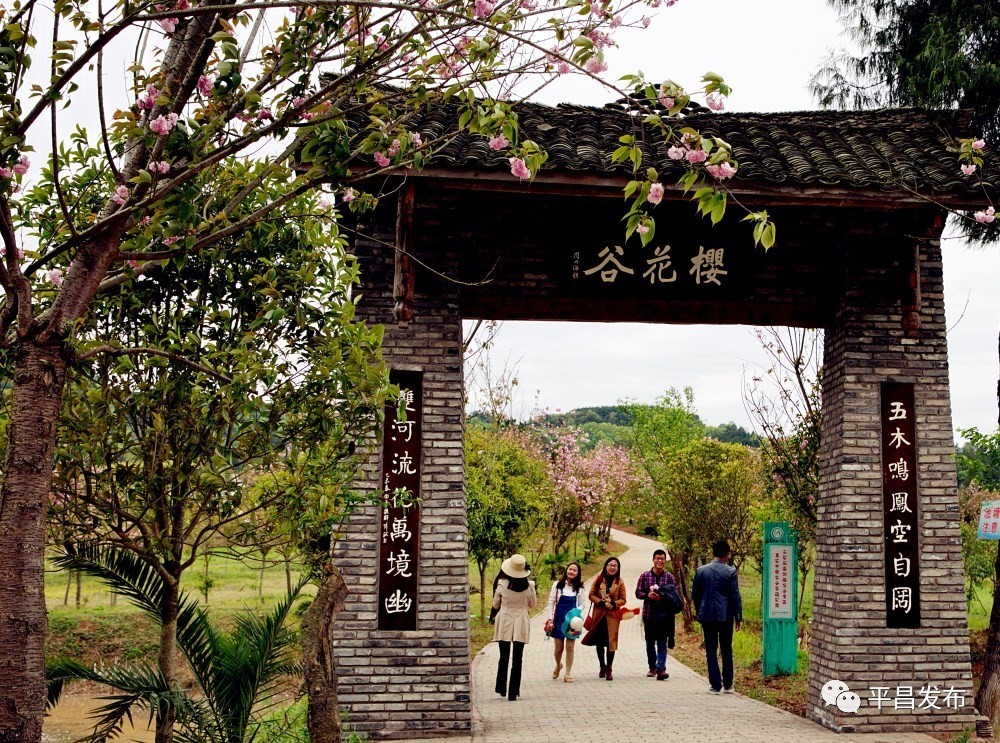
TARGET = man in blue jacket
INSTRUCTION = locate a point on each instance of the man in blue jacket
(718, 605)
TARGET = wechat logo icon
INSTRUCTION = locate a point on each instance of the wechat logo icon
(837, 692)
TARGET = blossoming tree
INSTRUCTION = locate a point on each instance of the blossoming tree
(322, 96)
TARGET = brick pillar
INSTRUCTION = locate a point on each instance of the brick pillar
(412, 684)
(850, 641)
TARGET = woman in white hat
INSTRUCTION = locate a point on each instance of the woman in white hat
(514, 596)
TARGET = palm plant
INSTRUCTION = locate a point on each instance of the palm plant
(236, 671)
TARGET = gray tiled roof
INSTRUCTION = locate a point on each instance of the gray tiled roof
(886, 150)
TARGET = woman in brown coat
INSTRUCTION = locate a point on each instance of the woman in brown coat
(607, 594)
(514, 596)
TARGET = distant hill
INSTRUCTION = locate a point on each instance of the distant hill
(611, 423)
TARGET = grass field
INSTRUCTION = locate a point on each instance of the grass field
(104, 630)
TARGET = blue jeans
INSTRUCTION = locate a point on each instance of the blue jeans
(719, 634)
(656, 648)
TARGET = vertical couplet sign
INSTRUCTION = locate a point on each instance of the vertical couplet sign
(900, 501)
(399, 536)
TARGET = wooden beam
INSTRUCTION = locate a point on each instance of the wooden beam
(404, 276)
(755, 194)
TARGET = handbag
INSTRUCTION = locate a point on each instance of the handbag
(588, 623)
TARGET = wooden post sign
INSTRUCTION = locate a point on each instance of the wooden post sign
(900, 498)
(399, 548)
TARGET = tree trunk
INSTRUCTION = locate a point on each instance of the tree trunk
(79, 588)
(682, 574)
(39, 377)
(69, 585)
(288, 574)
(482, 595)
(989, 688)
(260, 581)
(317, 658)
(165, 716)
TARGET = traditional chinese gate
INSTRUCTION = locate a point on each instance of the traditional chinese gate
(858, 255)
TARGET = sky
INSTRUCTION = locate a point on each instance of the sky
(766, 50)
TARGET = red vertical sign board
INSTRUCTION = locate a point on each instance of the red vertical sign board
(399, 535)
(900, 501)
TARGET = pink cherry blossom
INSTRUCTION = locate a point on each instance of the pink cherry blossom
(205, 83)
(20, 253)
(349, 195)
(529, 5)
(676, 153)
(56, 276)
(616, 21)
(986, 217)
(171, 240)
(265, 115)
(498, 142)
(147, 99)
(595, 9)
(163, 124)
(655, 193)
(667, 101)
(642, 229)
(696, 156)
(6, 173)
(645, 22)
(969, 169)
(595, 66)
(562, 68)
(416, 140)
(22, 165)
(979, 144)
(722, 171)
(169, 25)
(714, 102)
(121, 195)
(133, 263)
(393, 148)
(601, 40)
(483, 8)
(381, 159)
(518, 169)
(161, 166)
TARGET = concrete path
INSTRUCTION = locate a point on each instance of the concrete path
(632, 707)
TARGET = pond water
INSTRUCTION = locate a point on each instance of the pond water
(70, 721)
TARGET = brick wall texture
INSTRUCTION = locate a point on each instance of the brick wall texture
(865, 346)
(412, 684)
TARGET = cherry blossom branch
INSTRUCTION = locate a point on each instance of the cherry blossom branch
(49, 97)
(145, 351)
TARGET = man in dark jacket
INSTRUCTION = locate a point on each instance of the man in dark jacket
(718, 606)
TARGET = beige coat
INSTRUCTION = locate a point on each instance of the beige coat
(513, 623)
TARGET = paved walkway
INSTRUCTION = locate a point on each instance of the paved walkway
(632, 707)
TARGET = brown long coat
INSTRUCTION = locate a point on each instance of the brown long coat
(598, 592)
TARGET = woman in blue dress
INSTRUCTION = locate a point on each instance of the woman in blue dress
(566, 595)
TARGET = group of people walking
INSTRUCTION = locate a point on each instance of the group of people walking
(715, 597)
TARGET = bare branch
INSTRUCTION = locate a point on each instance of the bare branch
(142, 351)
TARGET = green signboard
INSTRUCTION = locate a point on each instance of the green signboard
(780, 599)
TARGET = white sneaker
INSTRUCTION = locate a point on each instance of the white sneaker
(728, 690)
(713, 690)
